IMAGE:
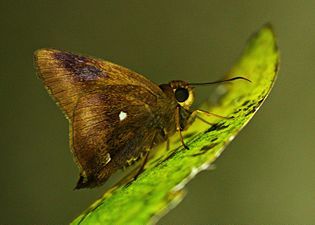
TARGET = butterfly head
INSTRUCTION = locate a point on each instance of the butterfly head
(183, 93)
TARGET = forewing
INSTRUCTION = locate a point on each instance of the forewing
(117, 122)
(68, 76)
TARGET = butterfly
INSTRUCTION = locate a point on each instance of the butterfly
(115, 115)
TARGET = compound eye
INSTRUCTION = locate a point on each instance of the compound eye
(181, 94)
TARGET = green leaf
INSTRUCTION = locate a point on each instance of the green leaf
(160, 187)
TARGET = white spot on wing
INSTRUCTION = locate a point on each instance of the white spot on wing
(122, 115)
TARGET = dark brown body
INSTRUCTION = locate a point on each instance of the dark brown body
(115, 115)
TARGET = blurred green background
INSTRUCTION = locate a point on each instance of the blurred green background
(266, 176)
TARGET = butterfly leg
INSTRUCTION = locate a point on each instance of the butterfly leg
(178, 129)
(146, 157)
(167, 144)
(210, 114)
(203, 120)
(143, 163)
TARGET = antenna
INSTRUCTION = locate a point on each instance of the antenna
(220, 81)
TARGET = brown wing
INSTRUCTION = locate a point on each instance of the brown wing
(110, 127)
(67, 76)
